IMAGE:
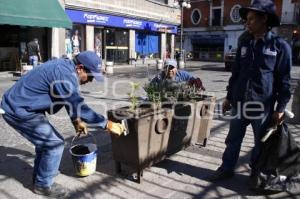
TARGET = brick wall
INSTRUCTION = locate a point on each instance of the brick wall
(204, 7)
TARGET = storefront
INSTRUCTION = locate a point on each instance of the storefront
(208, 47)
(20, 25)
(119, 39)
(147, 44)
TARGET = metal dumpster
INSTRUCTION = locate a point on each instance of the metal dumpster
(147, 140)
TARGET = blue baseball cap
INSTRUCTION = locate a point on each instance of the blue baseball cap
(92, 62)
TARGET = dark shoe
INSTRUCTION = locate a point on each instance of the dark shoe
(254, 182)
(55, 191)
(221, 174)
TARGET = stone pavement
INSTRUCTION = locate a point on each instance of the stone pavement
(183, 175)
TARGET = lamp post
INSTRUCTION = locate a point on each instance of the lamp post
(182, 4)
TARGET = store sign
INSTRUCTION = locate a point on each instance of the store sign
(116, 21)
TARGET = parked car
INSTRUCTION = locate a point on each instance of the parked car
(229, 59)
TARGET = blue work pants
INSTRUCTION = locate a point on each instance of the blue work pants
(234, 139)
(49, 146)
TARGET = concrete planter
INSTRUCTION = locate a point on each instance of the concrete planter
(191, 123)
(181, 64)
(159, 64)
(147, 141)
(109, 67)
(156, 132)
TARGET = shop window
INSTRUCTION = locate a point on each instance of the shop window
(76, 36)
(98, 32)
(196, 16)
(234, 14)
(116, 45)
(147, 45)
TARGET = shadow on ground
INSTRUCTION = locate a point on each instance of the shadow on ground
(14, 164)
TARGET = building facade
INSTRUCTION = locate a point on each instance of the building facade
(20, 24)
(211, 26)
(122, 30)
(119, 31)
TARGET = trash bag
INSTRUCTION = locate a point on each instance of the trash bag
(278, 166)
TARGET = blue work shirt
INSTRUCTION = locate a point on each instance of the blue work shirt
(262, 72)
(48, 88)
(181, 76)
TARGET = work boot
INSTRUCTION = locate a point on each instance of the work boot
(220, 174)
(55, 191)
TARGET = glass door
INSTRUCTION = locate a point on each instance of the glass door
(116, 45)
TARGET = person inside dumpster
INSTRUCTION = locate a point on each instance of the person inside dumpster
(171, 72)
(46, 89)
(259, 88)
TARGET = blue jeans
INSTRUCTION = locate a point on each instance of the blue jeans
(49, 146)
(235, 137)
(33, 60)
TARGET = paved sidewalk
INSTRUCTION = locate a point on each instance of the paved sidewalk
(183, 175)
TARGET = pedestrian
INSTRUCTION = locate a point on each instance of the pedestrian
(171, 72)
(48, 88)
(33, 50)
(260, 79)
(68, 46)
(76, 39)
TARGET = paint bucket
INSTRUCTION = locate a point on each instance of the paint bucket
(84, 157)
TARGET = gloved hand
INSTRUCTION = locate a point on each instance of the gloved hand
(197, 83)
(115, 128)
(226, 106)
(80, 126)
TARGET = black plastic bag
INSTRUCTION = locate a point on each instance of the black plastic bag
(279, 163)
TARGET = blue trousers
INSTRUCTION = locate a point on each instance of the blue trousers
(236, 134)
(33, 60)
(49, 146)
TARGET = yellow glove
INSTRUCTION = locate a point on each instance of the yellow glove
(115, 128)
(80, 126)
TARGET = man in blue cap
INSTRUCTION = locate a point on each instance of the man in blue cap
(260, 79)
(48, 88)
(171, 72)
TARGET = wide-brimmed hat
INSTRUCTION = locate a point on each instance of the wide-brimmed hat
(92, 62)
(262, 6)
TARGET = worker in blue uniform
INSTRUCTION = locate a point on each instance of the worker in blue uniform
(171, 73)
(259, 88)
(48, 88)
